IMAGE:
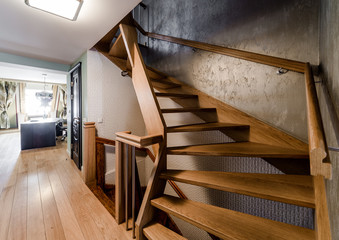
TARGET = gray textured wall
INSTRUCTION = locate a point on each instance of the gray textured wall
(286, 29)
(329, 60)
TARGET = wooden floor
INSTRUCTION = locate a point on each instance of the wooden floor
(42, 196)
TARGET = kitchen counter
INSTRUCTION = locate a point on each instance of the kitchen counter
(38, 133)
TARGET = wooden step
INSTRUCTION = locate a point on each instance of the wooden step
(182, 110)
(207, 127)
(156, 231)
(228, 224)
(118, 49)
(292, 189)
(164, 83)
(239, 149)
(175, 95)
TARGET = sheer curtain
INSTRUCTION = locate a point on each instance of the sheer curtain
(7, 93)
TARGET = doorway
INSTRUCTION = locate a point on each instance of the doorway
(76, 114)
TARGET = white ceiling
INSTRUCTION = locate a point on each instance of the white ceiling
(32, 74)
(29, 32)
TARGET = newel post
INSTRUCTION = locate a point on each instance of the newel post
(89, 162)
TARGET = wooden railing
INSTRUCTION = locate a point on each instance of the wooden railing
(125, 177)
(253, 57)
(126, 139)
(101, 160)
(156, 128)
(319, 161)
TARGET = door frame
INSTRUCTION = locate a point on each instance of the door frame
(77, 66)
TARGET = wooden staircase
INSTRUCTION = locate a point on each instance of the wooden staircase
(252, 138)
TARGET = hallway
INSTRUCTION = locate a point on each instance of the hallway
(42, 196)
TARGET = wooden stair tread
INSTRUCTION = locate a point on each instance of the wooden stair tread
(206, 127)
(164, 83)
(156, 231)
(175, 95)
(187, 109)
(228, 224)
(239, 149)
(292, 189)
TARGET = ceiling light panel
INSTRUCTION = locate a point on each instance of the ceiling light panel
(64, 8)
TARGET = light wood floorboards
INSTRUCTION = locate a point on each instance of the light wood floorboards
(42, 196)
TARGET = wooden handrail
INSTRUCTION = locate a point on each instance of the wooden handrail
(149, 106)
(127, 138)
(139, 142)
(317, 142)
(292, 65)
(105, 141)
(156, 127)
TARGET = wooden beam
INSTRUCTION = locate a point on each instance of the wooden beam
(89, 162)
(119, 187)
(104, 43)
(100, 163)
(322, 221)
(319, 161)
(154, 187)
(129, 36)
(118, 49)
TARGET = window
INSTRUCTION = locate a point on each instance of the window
(34, 106)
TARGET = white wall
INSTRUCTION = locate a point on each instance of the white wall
(112, 105)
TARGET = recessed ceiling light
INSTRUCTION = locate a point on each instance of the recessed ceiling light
(64, 8)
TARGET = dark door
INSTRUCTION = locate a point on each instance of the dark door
(76, 115)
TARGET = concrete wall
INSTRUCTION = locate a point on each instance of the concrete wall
(286, 29)
(329, 60)
(113, 106)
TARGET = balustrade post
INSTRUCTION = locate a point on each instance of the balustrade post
(89, 162)
(100, 162)
(119, 183)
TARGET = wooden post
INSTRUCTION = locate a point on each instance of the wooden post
(322, 220)
(89, 161)
(100, 161)
(119, 183)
